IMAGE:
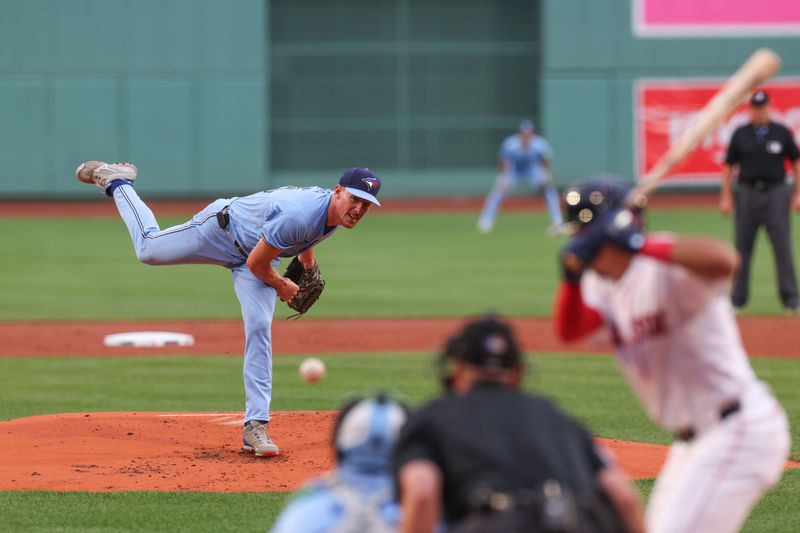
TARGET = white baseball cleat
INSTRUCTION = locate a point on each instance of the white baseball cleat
(102, 174)
(255, 440)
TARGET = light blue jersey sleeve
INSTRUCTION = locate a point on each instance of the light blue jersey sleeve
(285, 226)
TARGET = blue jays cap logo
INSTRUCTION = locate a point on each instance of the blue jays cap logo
(371, 182)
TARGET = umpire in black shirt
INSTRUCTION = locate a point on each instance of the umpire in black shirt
(487, 457)
(756, 155)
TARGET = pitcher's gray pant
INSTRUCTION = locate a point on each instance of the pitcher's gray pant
(768, 206)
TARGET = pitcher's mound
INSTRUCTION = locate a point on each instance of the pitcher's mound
(160, 451)
(191, 452)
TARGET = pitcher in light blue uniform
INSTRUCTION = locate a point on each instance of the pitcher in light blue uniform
(248, 235)
(528, 157)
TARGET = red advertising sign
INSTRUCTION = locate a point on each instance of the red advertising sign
(664, 109)
(655, 18)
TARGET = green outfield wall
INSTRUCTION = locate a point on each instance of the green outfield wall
(213, 97)
(178, 86)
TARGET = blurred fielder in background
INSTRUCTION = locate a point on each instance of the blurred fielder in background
(359, 495)
(664, 301)
(248, 235)
(524, 156)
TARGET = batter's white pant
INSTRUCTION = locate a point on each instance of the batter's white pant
(711, 483)
(201, 241)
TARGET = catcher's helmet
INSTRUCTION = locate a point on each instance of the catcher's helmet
(366, 431)
(584, 202)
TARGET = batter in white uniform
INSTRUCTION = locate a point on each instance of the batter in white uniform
(664, 299)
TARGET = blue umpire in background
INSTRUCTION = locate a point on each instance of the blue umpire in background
(756, 158)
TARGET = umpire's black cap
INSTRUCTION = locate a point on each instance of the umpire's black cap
(487, 342)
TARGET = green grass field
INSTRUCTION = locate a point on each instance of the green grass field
(413, 265)
(392, 265)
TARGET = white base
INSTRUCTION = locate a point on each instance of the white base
(149, 339)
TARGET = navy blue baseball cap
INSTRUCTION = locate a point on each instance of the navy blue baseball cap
(362, 182)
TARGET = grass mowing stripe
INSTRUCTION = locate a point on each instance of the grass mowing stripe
(192, 511)
(384, 267)
(31, 386)
(64, 266)
(139, 511)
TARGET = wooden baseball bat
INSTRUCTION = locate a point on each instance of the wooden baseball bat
(763, 64)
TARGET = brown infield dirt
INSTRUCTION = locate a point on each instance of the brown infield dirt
(186, 451)
(762, 336)
(191, 452)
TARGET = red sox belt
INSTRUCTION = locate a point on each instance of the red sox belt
(687, 434)
(224, 220)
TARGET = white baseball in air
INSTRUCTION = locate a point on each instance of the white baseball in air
(312, 369)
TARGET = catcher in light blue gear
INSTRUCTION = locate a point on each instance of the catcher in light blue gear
(524, 156)
(249, 236)
(359, 495)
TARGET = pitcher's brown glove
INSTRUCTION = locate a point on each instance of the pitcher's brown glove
(310, 285)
